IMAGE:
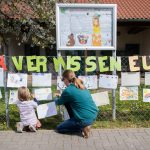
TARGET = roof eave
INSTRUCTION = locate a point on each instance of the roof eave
(133, 20)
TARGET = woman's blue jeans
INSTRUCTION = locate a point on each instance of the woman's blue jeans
(72, 125)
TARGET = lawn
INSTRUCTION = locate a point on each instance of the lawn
(129, 114)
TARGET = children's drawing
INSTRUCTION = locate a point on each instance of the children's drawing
(43, 93)
(108, 81)
(1, 77)
(128, 93)
(60, 84)
(130, 78)
(46, 110)
(41, 79)
(66, 115)
(17, 80)
(13, 96)
(71, 40)
(146, 95)
(96, 40)
(90, 82)
(101, 98)
(96, 37)
(147, 78)
(1, 94)
(85, 27)
(82, 38)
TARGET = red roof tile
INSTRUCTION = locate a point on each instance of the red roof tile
(21, 10)
(128, 9)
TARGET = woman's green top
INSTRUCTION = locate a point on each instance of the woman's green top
(80, 101)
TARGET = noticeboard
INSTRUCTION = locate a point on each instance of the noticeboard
(86, 26)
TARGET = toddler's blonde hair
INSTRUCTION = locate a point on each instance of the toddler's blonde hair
(24, 94)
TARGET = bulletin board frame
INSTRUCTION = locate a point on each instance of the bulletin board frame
(100, 7)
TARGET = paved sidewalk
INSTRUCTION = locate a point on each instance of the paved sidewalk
(101, 139)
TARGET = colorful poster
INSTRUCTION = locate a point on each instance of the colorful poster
(43, 94)
(17, 80)
(146, 95)
(90, 82)
(1, 94)
(108, 81)
(128, 93)
(1, 77)
(85, 27)
(60, 84)
(96, 36)
(130, 78)
(13, 96)
(46, 110)
(41, 79)
(147, 78)
(101, 98)
(82, 39)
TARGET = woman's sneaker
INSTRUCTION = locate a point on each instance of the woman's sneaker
(19, 126)
(86, 132)
(32, 128)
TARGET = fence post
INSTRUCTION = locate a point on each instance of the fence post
(60, 74)
(6, 91)
(114, 93)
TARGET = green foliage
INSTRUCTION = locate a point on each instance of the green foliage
(29, 21)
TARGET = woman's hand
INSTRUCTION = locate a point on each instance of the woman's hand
(57, 94)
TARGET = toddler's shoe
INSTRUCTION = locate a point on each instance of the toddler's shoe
(32, 128)
(19, 126)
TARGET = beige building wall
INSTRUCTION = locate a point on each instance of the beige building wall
(145, 42)
(125, 38)
(142, 38)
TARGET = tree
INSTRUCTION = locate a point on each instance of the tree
(32, 21)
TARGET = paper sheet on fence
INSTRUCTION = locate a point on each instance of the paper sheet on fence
(128, 93)
(66, 115)
(101, 98)
(41, 79)
(1, 94)
(146, 95)
(46, 110)
(130, 78)
(43, 93)
(1, 77)
(60, 84)
(108, 81)
(17, 80)
(90, 82)
(13, 96)
(147, 78)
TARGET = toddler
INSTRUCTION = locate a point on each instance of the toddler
(27, 104)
